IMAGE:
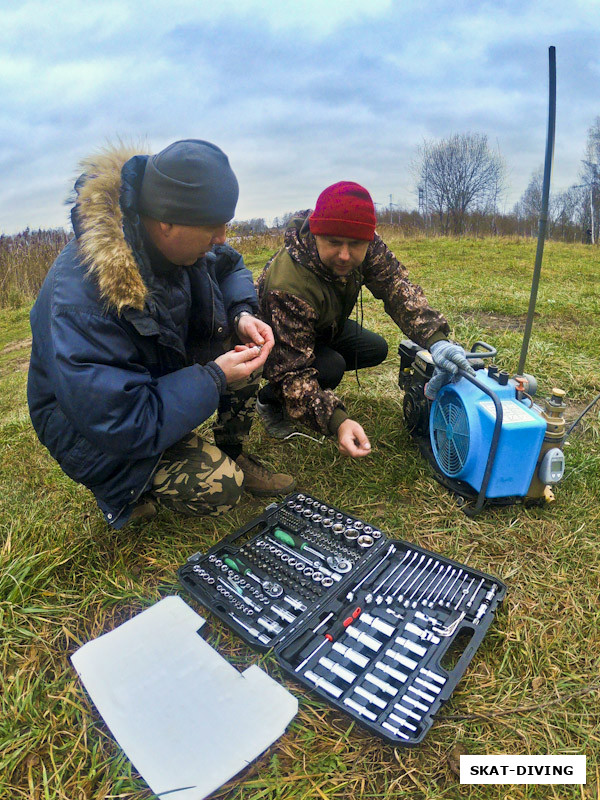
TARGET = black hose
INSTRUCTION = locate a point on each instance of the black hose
(583, 413)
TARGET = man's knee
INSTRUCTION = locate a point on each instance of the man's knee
(222, 488)
(331, 366)
(380, 350)
(372, 350)
(195, 477)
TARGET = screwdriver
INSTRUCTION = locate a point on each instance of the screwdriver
(291, 542)
(332, 634)
(296, 647)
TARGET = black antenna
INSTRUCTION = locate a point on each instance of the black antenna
(544, 213)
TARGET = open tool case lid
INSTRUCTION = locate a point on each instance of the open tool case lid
(385, 629)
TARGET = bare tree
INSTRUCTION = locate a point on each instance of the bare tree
(459, 175)
(590, 178)
(529, 207)
(566, 209)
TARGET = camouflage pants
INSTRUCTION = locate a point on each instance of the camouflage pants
(236, 411)
(196, 477)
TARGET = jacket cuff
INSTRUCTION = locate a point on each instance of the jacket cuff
(336, 419)
(438, 336)
(218, 376)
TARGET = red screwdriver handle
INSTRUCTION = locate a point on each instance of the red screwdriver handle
(340, 626)
(332, 634)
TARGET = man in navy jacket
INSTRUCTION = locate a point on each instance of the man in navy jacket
(143, 328)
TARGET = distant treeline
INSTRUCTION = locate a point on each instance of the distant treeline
(26, 257)
(478, 223)
(412, 223)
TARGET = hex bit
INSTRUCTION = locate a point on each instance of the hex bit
(393, 673)
(428, 685)
(407, 711)
(407, 662)
(377, 624)
(350, 654)
(403, 722)
(364, 712)
(322, 683)
(412, 646)
(434, 676)
(415, 703)
(394, 730)
(372, 698)
(385, 687)
(337, 669)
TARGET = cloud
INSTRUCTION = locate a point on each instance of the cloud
(299, 95)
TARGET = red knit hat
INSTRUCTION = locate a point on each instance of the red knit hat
(344, 209)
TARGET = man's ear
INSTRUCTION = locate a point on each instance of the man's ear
(166, 228)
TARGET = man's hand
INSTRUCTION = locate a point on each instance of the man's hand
(449, 356)
(352, 440)
(439, 378)
(252, 330)
(240, 363)
(448, 359)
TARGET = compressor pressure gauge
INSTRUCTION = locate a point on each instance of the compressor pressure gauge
(552, 467)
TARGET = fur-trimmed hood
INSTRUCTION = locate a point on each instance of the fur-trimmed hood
(106, 224)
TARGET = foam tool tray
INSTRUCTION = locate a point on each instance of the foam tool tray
(380, 628)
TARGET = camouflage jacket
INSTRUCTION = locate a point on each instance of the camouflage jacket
(305, 303)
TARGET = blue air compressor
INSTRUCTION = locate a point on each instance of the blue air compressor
(485, 436)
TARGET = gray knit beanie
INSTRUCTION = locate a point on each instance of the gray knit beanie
(190, 182)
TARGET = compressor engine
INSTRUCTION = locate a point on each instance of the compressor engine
(485, 437)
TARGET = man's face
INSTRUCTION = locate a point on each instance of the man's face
(185, 244)
(340, 254)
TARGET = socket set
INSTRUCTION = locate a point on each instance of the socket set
(380, 628)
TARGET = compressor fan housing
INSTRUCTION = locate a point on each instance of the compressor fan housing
(461, 427)
(450, 434)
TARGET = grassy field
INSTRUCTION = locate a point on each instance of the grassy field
(532, 688)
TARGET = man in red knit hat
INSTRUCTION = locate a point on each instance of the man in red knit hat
(307, 292)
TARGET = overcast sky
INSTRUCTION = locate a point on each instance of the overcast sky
(298, 94)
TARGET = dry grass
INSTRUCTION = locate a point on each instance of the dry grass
(533, 686)
(24, 261)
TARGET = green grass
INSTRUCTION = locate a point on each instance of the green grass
(532, 687)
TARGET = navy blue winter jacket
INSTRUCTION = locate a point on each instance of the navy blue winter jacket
(113, 380)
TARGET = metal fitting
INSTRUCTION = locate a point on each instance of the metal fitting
(365, 541)
(350, 536)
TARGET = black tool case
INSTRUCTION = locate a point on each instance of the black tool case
(380, 628)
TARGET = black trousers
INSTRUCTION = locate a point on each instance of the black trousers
(354, 348)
